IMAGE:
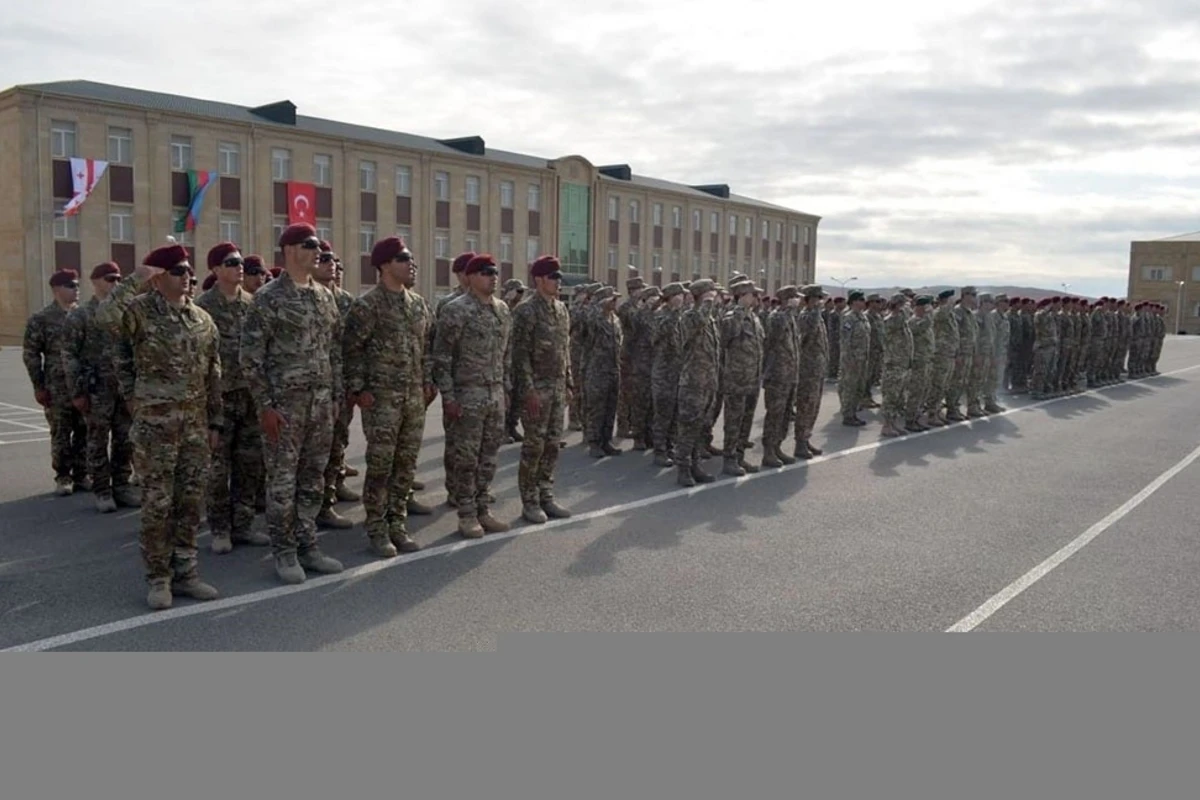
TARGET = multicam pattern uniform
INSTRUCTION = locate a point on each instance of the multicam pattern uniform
(897, 342)
(237, 462)
(45, 335)
(1045, 350)
(602, 348)
(918, 389)
(335, 470)
(814, 356)
(1003, 337)
(448, 444)
(471, 367)
(541, 357)
(386, 351)
(292, 358)
(943, 364)
(88, 349)
(964, 361)
(781, 376)
(741, 376)
(169, 371)
(981, 371)
(853, 371)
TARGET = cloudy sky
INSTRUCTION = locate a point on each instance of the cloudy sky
(1013, 142)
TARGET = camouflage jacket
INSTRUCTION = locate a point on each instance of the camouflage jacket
(641, 349)
(1003, 341)
(45, 338)
(924, 339)
(742, 351)
(603, 346)
(88, 352)
(168, 356)
(968, 331)
(856, 335)
(386, 344)
(541, 345)
(229, 314)
(781, 350)
(472, 349)
(700, 344)
(291, 341)
(665, 338)
(814, 341)
(945, 332)
(1045, 329)
(897, 341)
(985, 334)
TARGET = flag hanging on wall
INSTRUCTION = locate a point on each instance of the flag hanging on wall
(85, 174)
(302, 202)
(198, 183)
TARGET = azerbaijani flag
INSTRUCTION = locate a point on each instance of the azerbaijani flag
(198, 183)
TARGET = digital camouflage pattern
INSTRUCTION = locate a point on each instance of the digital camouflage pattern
(541, 357)
(920, 370)
(945, 358)
(641, 365)
(664, 377)
(43, 353)
(602, 348)
(781, 376)
(699, 374)
(855, 354)
(964, 361)
(813, 335)
(741, 376)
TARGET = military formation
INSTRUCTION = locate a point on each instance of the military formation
(240, 400)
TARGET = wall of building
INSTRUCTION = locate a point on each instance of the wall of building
(13, 289)
(1155, 270)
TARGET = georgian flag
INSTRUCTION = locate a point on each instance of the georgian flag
(85, 174)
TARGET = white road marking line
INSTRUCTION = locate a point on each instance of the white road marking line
(38, 428)
(1005, 595)
(15, 609)
(25, 441)
(22, 408)
(275, 592)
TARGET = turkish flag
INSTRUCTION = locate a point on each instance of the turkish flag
(302, 203)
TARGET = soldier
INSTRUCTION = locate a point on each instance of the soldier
(512, 293)
(664, 371)
(292, 357)
(603, 345)
(741, 374)
(169, 370)
(641, 362)
(1159, 333)
(855, 353)
(964, 360)
(1044, 349)
(541, 355)
(43, 354)
(942, 365)
(917, 390)
(254, 274)
(833, 328)
(457, 268)
(813, 337)
(388, 374)
(472, 369)
(237, 458)
(985, 348)
(579, 310)
(781, 376)
(209, 282)
(699, 374)
(1003, 336)
(874, 313)
(897, 358)
(92, 386)
(625, 314)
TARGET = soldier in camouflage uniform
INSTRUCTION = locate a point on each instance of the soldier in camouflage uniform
(43, 355)
(945, 354)
(964, 360)
(1044, 349)
(1159, 334)
(168, 367)
(580, 306)
(626, 311)
(472, 365)
(781, 376)
(699, 374)
(388, 374)
(985, 347)
(897, 359)
(875, 309)
(512, 292)
(236, 460)
(456, 269)
(292, 356)
(813, 337)
(741, 373)
(917, 390)
(664, 371)
(602, 348)
(541, 358)
(88, 365)
(833, 328)
(254, 277)
(641, 362)
(855, 353)
(999, 354)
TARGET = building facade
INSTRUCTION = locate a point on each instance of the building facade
(443, 196)
(1167, 271)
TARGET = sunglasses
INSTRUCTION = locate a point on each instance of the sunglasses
(555, 276)
(311, 244)
(194, 281)
(71, 285)
(112, 278)
(490, 272)
(180, 270)
(233, 262)
(253, 271)
(326, 258)
(404, 258)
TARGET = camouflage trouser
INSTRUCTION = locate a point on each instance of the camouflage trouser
(476, 437)
(539, 451)
(835, 356)
(941, 370)
(600, 404)
(665, 389)
(892, 382)
(852, 386)
(234, 475)
(809, 390)
(295, 465)
(108, 419)
(1043, 369)
(170, 453)
(917, 390)
(1000, 374)
(959, 383)
(695, 412)
(981, 371)
(779, 399)
(641, 410)
(874, 371)
(1096, 363)
(393, 428)
(576, 407)
(513, 415)
(336, 468)
(739, 418)
(625, 395)
(1063, 374)
(68, 440)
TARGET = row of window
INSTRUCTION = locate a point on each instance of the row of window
(714, 220)
(656, 261)
(1165, 274)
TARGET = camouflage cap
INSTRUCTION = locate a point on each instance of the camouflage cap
(924, 300)
(986, 297)
(672, 289)
(785, 293)
(650, 292)
(605, 293)
(968, 290)
(513, 284)
(634, 283)
(873, 296)
(742, 287)
(854, 295)
(908, 293)
(898, 297)
(1001, 298)
(812, 290)
(703, 286)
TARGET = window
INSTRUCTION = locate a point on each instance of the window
(278, 225)
(62, 139)
(1196, 310)
(64, 227)
(532, 248)
(366, 176)
(676, 217)
(696, 216)
(441, 186)
(324, 230)
(1196, 273)
(656, 212)
(1156, 273)
(281, 164)
(714, 222)
(472, 190)
(120, 224)
(635, 258)
(612, 257)
(120, 146)
(806, 234)
(231, 229)
(185, 239)
(366, 237)
(733, 266)
(747, 227)
(322, 169)
(441, 244)
(712, 267)
(506, 194)
(472, 243)
(229, 159)
(181, 153)
(779, 231)
(614, 205)
(635, 211)
(403, 181)
(674, 261)
(795, 234)
(733, 224)
(695, 265)
(506, 248)
(656, 260)
(749, 270)
(535, 197)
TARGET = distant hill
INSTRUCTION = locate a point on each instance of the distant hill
(1011, 291)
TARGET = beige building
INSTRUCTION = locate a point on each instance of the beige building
(1168, 271)
(443, 196)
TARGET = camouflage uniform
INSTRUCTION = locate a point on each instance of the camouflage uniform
(541, 342)
(1003, 334)
(964, 363)
(918, 390)
(603, 345)
(781, 372)
(292, 358)
(169, 370)
(897, 342)
(814, 354)
(981, 371)
(386, 352)
(44, 345)
(699, 374)
(1044, 352)
(874, 356)
(236, 468)
(626, 312)
(579, 310)
(448, 444)
(664, 377)
(335, 470)
(741, 376)
(833, 331)
(641, 363)
(943, 365)
(471, 367)
(855, 352)
(88, 349)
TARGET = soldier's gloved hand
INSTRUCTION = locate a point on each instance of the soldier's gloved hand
(451, 410)
(82, 404)
(43, 397)
(430, 392)
(365, 399)
(272, 423)
(533, 405)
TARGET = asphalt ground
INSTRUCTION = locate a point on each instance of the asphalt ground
(920, 533)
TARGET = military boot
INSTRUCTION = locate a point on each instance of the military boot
(222, 543)
(105, 503)
(194, 588)
(732, 467)
(417, 508)
(403, 541)
(771, 456)
(812, 448)
(252, 538)
(701, 476)
(349, 472)
(663, 459)
(532, 512)
(596, 451)
(63, 487)
(992, 408)
(912, 426)
(159, 597)
(127, 496)
(470, 528)
(802, 451)
(685, 477)
(328, 518)
(746, 465)
(553, 509)
(381, 546)
(418, 486)
(492, 525)
(610, 449)
(287, 567)
(345, 494)
(782, 456)
(314, 560)
(975, 412)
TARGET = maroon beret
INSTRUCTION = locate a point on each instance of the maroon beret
(166, 257)
(209, 281)
(387, 249)
(220, 252)
(460, 263)
(297, 234)
(254, 264)
(326, 247)
(477, 263)
(545, 267)
(64, 277)
(276, 272)
(104, 270)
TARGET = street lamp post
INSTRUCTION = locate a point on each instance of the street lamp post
(1179, 308)
(842, 282)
